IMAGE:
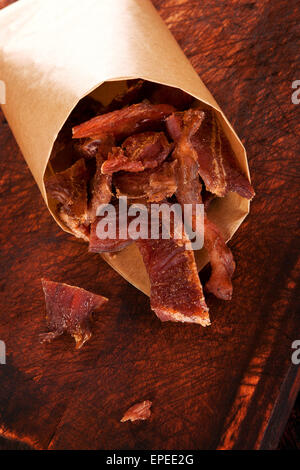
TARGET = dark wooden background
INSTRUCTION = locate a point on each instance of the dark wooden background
(228, 386)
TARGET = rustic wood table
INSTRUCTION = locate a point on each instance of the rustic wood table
(230, 386)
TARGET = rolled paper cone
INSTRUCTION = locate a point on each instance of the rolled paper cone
(55, 52)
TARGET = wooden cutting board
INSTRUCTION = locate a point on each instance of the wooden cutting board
(228, 386)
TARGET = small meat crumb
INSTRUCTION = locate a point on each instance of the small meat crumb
(138, 411)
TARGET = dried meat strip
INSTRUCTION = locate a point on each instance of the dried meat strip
(221, 261)
(69, 309)
(217, 164)
(189, 186)
(91, 147)
(176, 291)
(78, 229)
(113, 242)
(150, 185)
(123, 122)
(138, 152)
(162, 182)
(118, 161)
(139, 411)
(69, 188)
(189, 192)
(101, 189)
(174, 124)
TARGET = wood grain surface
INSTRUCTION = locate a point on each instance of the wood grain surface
(229, 386)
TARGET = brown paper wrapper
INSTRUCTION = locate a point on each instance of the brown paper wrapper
(53, 53)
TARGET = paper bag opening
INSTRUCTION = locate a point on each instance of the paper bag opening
(227, 212)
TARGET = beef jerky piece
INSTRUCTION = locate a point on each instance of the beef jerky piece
(189, 186)
(163, 183)
(151, 148)
(69, 309)
(117, 161)
(151, 185)
(91, 147)
(100, 189)
(113, 242)
(139, 411)
(189, 192)
(123, 122)
(77, 228)
(174, 125)
(138, 152)
(176, 291)
(69, 188)
(170, 95)
(132, 185)
(221, 260)
(217, 164)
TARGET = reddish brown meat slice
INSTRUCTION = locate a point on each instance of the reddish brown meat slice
(101, 186)
(69, 188)
(176, 291)
(111, 244)
(123, 122)
(189, 186)
(91, 147)
(174, 124)
(189, 192)
(139, 411)
(118, 161)
(132, 185)
(135, 93)
(221, 260)
(77, 228)
(138, 152)
(217, 164)
(151, 185)
(162, 182)
(69, 309)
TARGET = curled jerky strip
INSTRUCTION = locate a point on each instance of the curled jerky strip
(138, 152)
(69, 309)
(69, 188)
(91, 147)
(100, 189)
(149, 185)
(123, 122)
(189, 186)
(217, 165)
(189, 192)
(221, 261)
